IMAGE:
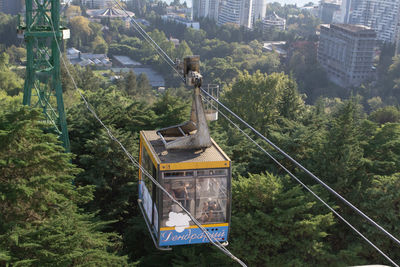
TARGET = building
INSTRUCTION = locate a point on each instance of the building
(109, 12)
(100, 61)
(277, 47)
(125, 62)
(177, 19)
(12, 7)
(327, 11)
(346, 52)
(156, 80)
(259, 10)
(98, 4)
(238, 12)
(206, 8)
(274, 22)
(380, 15)
(313, 10)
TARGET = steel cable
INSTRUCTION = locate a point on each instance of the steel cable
(304, 185)
(348, 203)
(212, 239)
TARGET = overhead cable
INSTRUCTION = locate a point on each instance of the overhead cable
(170, 62)
(348, 203)
(272, 144)
(150, 40)
(211, 238)
(304, 185)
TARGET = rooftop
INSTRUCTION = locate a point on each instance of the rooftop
(213, 153)
(109, 12)
(127, 61)
(155, 79)
(350, 27)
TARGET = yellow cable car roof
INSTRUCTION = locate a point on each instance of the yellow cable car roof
(179, 159)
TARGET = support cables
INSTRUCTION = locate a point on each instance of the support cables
(150, 40)
(170, 62)
(272, 144)
(212, 239)
(305, 186)
(348, 203)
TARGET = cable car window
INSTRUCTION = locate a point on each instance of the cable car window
(220, 172)
(211, 199)
(205, 197)
(183, 190)
(212, 172)
(178, 174)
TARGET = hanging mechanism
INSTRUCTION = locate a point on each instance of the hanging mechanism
(193, 134)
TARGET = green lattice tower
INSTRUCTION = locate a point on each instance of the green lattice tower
(43, 83)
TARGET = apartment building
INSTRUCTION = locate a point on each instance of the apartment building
(327, 11)
(206, 8)
(237, 12)
(259, 10)
(381, 15)
(274, 22)
(346, 52)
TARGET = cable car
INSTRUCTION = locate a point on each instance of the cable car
(187, 163)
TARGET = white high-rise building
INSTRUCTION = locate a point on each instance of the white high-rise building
(237, 12)
(380, 15)
(259, 10)
(206, 8)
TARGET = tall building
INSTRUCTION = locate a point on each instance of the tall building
(259, 10)
(327, 11)
(380, 15)
(206, 8)
(346, 52)
(237, 12)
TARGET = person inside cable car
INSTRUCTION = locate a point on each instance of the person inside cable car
(205, 214)
(181, 194)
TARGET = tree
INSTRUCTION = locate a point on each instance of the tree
(8, 24)
(384, 150)
(171, 110)
(381, 201)
(341, 158)
(99, 46)
(40, 222)
(143, 84)
(275, 224)
(9, 80)
(260, 98)
(183, 50)
(16, 54)
(385, 114)
(80, 31)
(130, 83)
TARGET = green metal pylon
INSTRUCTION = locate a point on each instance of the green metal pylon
(43, 83)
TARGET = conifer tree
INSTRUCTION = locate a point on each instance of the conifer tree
(40, 221)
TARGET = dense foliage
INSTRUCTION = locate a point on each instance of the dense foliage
(81, 209)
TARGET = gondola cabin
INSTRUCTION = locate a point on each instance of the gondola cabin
(200, 179)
